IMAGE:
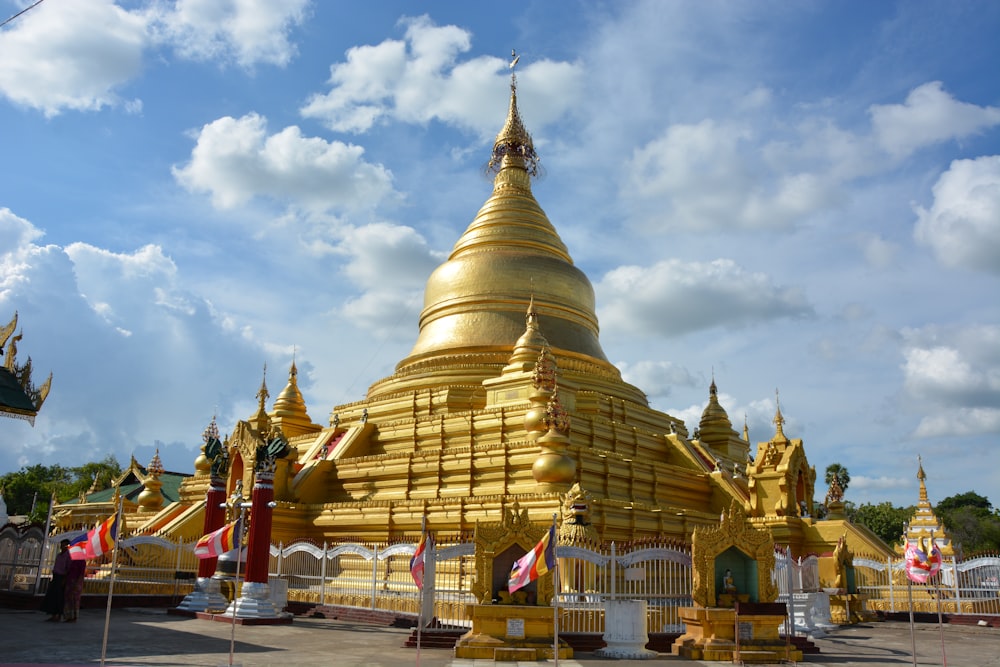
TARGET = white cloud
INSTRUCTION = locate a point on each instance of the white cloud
(952, 379)
(113, 327)
(878, 252)
(656, 378)
(420, 78)
(962, 226)
(71, 55)
(673, 297)
(928, 116)
(388, 256)
(236, 160)
(710, 175)
(245, 32)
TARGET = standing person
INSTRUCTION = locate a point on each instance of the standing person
(55, 597)
(74, 588)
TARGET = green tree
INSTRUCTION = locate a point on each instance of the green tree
(29, 490)
(840, 472)
(884, 519)
(970, 521)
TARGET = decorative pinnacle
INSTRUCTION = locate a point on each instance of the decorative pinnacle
(211, 431)
(262, 393)
(513, 145)
(544, 375)
(155, 467)
(556, 417)
(779, 420)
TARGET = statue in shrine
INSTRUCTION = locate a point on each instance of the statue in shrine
(728, 584)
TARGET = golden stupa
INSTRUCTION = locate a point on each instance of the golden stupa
(507, 397)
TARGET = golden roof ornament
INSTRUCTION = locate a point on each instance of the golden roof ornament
(155, 467)
(556, 417)
(513, 145)
(779, 421)
(544, 375)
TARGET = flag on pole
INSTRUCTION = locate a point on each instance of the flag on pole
(535, 563)
(218, 542)
(98, 541)
(418, 561)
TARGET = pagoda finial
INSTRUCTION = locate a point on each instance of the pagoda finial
(922, 477)
(262, 393)
(513, 146)
(779, 420)
(746, 429)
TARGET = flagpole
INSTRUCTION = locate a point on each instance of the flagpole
(111, 583)
(420, 588)
(555, 593)
(913, 637)
(236, 584)
(45, 543)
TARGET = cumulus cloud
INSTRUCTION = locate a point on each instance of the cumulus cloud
(235, 160)
(673, 297)
(710, 175)
(421, 78)
(961, 225)
(928, 116)
(112, 327)
(657, 378)
(391, 264)
(244, 32)
(952, 377)
(71, 56)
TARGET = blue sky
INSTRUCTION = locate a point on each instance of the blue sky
(794, 196)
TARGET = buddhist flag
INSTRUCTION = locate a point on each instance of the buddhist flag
(418, 561)
(97, 542)
(218, 542)
(535, 563)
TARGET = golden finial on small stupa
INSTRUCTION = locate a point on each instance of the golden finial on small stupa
(262, 393)
(779, 420)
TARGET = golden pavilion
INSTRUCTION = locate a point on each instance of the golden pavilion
(507, 397)
(19, 397)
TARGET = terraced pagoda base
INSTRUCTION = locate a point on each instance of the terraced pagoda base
(506, 633)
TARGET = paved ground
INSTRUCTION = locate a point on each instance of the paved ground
(147, 637)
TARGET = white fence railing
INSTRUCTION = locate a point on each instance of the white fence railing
(961, 587)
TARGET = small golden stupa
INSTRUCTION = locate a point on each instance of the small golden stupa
(925, 529)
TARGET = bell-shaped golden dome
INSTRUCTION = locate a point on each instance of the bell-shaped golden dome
(289, 413)
(510, 255)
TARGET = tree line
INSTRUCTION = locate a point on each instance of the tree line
(30, 490)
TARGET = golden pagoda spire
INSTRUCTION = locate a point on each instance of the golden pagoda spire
(923, 479)
(513, 145)
(779, 420)
(261, 421)
(289, 413)
(509, 258)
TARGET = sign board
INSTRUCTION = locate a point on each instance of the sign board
(515, 628)
(746, 631)
(635, 574)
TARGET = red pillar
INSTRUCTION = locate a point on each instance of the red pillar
(259, 539)
(215, 516)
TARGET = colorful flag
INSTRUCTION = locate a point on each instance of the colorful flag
(97, 542)
(535, 563)
(919, 565)
(218, 542)
(418, 561)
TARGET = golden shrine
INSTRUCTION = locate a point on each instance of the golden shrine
(733, 596)
(507, 397)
